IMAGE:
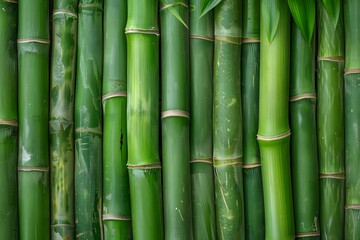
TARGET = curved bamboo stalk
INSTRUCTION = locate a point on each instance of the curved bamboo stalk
(88, 121)
(8, 121)
(273, 133)
(143, 119)
(201, 82)
(116, 192)
(33, 165)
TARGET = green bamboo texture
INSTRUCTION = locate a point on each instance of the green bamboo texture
(330, 119)
(250, 73)
(174, 16)
(8, 121)
(61, 126)
(274, 133)
(33, 164)
(201, 91)
(88, 121)
(352, 117)
(303, 139)
(116, 192)
(144, 166)
(228, 149)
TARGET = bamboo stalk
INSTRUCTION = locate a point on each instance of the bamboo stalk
(175, 118)
(352, 117)
(201, 86)
(116, 193)
(33, 164)
(8, 121)
(61, 126)
(228, 150)
(303, 140)
(250, 73)
(88, 122)
(330, 123)
(273, 133)
(143, 119)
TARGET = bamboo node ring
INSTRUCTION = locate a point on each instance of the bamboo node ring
(143, 31)
(33, 40)
(303, 96)
(163, 7)
(333, 175)
(353, 206)
(332, 58)
(251, 165)
(202, 160)
(145, 166)
(274, 138)
(33, 169)
(175, 113)
(250, 40)
(351, 71)
(107, 217)
(309, 234)
(66, 12)
(194, 36)
(114, 94)
(228, 39)
(9, 122)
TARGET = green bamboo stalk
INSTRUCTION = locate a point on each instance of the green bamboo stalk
(175, 118)
(143, 119)
(352, 117)
(274, 133)
(88, 122)
(228, 149)
(8, 121)
(201, 86)
(330, 115)
(116, 193)
(250, 73)
(303, 140)
(61, 126)
(33, 164)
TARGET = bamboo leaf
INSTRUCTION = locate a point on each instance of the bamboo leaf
(333, 9)
(177, 15)
(270, 11)
(172, 8)
(208, 5)
(303, 12)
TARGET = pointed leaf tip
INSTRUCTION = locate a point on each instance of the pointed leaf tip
(303, 13)
(333, 9)
(270, 11)
(208, 5)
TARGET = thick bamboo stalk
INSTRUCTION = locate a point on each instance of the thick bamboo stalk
(175, 118)
(116, 192)
(88, 122)
(143, 119)
(303, 140)
(352, 117)
(274, 133)
(201, 85)
(228, 149)
(250, 73)
(61, 126)
(33, 165)
(330, 123)
(8, 121)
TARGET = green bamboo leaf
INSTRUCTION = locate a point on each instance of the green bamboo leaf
(208, 5)
(303, 12)
(270, 11)
(177, 15)
(173, 11)
(333, 9)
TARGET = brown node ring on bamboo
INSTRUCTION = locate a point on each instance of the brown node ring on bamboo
(250, 40)
(340, 175)
(274, 138)
(175, 113)
(303, 96)
(166, 6)
(228, 39)
(308, 234)
(332, 58)
(251, 165)
(351, 71)
(113, 95)
(33, 40)
(65, 12)
(206, 38)
(144, 166)
(110, 217)
(202, 160)
(142, 31)
(9, 122)
(352, 206)
(33, 169)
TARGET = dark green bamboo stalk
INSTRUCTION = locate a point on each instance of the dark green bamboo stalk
(62, 91)
(116, 193)
(33, 165)
(175, 118)
(88, 122)
(8, 121)
(274, 133)
(228, 149)
(250, 73)
(330, 115)
(303, 140)
(143, 119)
(201, 85)
(352, 117)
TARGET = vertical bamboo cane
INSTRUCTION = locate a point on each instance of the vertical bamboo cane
(88, 122)
(8, 121)
(33, 165)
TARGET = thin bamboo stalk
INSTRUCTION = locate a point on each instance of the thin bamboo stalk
(227, 132)
(143, 119)
(175, 118)
(330, 119)
(250, 73)
(352, 117)
(33, 164)
(201, 85)
(88, 121)
(8, 121)
(273, 133)
(116, 192)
